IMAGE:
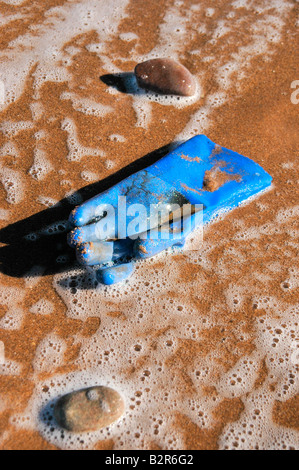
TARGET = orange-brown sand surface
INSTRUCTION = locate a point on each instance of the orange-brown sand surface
(201, 344)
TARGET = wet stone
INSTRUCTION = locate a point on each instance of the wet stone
(165, 76)
(89, 409)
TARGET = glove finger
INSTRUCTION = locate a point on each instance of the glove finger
(148, 248)
(90, 254)
(93, 253)
(101, 230)
(115, 274)
(93, 208)
(166, 236)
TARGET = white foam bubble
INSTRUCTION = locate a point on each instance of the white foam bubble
(37, 110)
(210, 12)
(13, 185)
(109, 164)
(86, 105)
(13, 319)
(145, 320)
(117, 138)
(266, 30)
(255, 430)
(61, 25)
(47, 201)
(14, 2)
(49, 353)
(41, 165)
(10, 148)
(12, 128)
(89, 176)
(10, 367)
(76, 150)
(42, 307)
(128, 37)
(4, 214)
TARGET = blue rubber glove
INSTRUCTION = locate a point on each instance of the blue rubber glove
(198, 173)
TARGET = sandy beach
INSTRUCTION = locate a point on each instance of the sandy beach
(202, 345)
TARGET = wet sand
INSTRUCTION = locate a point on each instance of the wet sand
(200, 344)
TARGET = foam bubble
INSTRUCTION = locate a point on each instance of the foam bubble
(117, 138)
(42, 307)
(128, 37)
(76, 150)
(4, 214)
(89, 176)
(147, 324)
(10, 148)
(41, 166)
(60, 26)
(49, 353)
(14, 2)
(86, 105)
(13, 319)
(210, 12)
(13, 185)
(10, 368)
(12, 128)
(47, 201)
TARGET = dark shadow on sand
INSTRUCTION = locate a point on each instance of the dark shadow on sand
(21, 253)
(119, 81)
(124, 82)
(47, 418)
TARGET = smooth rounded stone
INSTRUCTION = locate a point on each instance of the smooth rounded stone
(89, 409)
(165, 76)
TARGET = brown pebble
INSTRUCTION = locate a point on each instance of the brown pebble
(165, 76)
(89, 409)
